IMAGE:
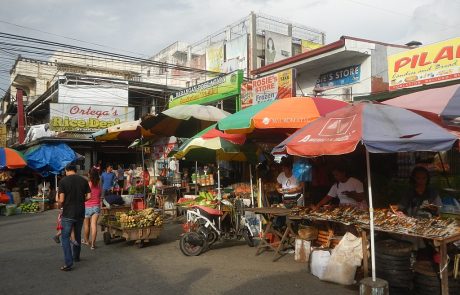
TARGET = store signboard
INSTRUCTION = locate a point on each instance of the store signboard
(277, 47)
(277, 86)
(236, 55)
(425, 65)
(113, 94)
(85, 117)
(309, 45)
(340, 77)
(210, 91)
(215, 57)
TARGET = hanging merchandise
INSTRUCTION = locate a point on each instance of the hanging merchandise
(302, 170)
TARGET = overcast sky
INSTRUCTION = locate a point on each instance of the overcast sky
(147, 26)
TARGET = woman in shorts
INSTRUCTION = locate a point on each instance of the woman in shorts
(92, 210)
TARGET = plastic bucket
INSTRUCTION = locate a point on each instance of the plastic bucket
(10, 210)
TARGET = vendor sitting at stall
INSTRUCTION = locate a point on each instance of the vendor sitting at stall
(289, 186)
(347, 191)
(421, 199)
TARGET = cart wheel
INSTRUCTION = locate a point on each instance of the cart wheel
(107, 238)
(248, 237)
(140, 244)
(192, 244)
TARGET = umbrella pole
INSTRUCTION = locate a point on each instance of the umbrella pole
(196, 179)
(371, 214)
(250, 183)
(219, 196)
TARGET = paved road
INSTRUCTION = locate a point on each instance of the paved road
(30, 261)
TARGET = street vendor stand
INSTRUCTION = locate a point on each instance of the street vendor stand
(381, 129)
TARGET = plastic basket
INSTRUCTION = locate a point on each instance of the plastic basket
(10, 210)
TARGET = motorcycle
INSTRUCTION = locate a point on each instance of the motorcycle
(205, 226)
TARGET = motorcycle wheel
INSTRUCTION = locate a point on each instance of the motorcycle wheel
(248, 238)
(192, 249)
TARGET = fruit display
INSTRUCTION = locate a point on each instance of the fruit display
(139, 219)
(205, 198)
(384, 219)
(242, 190)
(29, 207)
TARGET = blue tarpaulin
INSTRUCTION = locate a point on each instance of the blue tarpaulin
(50, 158)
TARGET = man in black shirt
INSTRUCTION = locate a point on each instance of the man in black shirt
(74, 190)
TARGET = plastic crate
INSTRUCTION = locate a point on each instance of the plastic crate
(138, 204)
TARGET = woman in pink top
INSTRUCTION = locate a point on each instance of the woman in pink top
(92, 209)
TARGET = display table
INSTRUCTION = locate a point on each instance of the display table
(270, 213)
(363, 228)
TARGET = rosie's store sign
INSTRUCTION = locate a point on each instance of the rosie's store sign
(83, 117)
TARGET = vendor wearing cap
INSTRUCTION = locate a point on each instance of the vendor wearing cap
(347, 191)
(289, 186)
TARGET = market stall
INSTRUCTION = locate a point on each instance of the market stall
(222, 214)
(381, 129)
(10, 160)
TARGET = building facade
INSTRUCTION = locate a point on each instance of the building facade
(341, 70)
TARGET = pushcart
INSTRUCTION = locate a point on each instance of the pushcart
(112, 230)
(139, 235)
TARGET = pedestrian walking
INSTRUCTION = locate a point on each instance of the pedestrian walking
(74, 190)
(92, 210)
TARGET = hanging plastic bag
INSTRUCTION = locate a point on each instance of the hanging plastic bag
(302, 170)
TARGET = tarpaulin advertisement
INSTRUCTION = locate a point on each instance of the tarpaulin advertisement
(425, 65)
(277, 47)
(236, 53)
(212, 90)
(309, 45)
(279, 85)
(215, 57)
(340, 77)
(84, 117)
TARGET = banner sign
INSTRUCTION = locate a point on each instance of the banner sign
(83, 117)
(215, 57)
(236, 52)
(268, 88)
(337, 78)
(108, 95)
(213, 90)
(3, 135)
(425, 65)
(309, 45)
(277, 47)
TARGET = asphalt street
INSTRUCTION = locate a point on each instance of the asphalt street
(30, 261)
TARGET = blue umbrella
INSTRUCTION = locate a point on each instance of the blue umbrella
(50, 158)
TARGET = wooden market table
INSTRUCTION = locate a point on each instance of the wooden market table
(363, 229)
(270, 213)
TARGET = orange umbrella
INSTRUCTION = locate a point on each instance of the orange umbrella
(287, 114)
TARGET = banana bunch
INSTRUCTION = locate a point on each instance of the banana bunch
(128, 221)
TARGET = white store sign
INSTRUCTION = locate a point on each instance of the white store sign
(84, 117)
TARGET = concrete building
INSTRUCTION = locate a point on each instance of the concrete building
(341, 70)
(247, 44)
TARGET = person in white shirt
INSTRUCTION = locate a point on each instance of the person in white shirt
(348, 190)
(289, 186)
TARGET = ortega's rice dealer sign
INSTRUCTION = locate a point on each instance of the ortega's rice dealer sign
(425, 65)
(213, 90)
(83, 117)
